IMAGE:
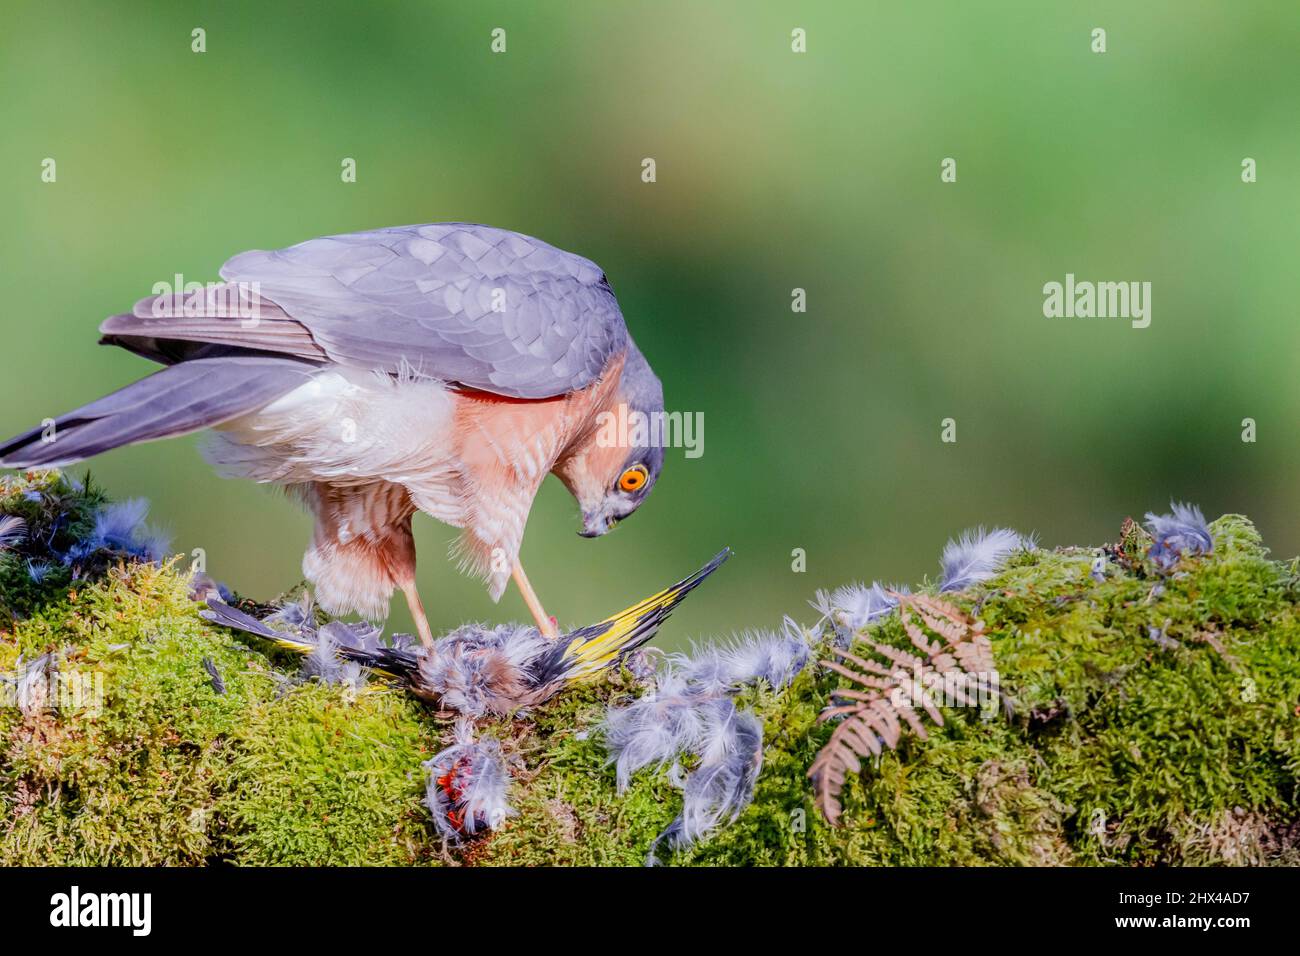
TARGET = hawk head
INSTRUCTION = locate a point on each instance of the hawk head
(612, 471)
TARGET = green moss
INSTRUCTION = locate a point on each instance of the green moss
(323, 776)
(143, 762)
(58, 512)
(570, 811)
(1116, 748)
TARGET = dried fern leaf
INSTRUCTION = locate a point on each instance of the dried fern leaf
(957, 654)
(848, 693)
(852, 675)
(918, 636)
(885, 722)
(946, 662)
(913, 721)
(931, 710)
(975, 656)
(862, 662)
(909, 662)
(858, 735)
(938, 608)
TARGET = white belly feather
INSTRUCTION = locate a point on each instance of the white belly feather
(351, 427)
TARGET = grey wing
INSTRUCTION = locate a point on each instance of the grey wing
(487, 308)
(179, 399)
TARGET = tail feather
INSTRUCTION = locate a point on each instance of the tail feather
(219, 612)
(175, 401)
(170, 321)
(390, 662)
(589, 650)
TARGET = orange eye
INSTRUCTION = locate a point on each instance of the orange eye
(633, 478)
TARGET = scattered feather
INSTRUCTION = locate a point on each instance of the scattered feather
(657, 729)
(13, 530)
(120, 528)
(204, 586)
(295, 615)
(854, 606)
(117, 526)
(30, 685)
(977, 556)
(214, 676)
(1184, 532)
(773, 657)
(324, 663)
(1158, 635)
(703, 672)
(692, 712)
(722, 785)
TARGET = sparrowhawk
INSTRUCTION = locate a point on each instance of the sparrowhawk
(443, 368)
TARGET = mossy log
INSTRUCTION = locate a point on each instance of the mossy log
(1118, 744)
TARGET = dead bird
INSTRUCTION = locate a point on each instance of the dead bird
(476, 669)
(468, 786)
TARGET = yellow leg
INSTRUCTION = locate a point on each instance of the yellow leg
(544, 623)
(417, 612)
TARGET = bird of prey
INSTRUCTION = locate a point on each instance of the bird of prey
(475, 670)
(444, 368)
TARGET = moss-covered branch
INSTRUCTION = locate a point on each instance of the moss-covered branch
(1151, 718)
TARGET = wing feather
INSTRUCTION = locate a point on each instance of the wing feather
(486, 308)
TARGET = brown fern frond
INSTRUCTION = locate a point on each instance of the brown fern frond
(867, 665)
(931, 710)
(940, 622)
(852, 675)
(848, 693)
(943, 617)
(878, 683)
(955, 649)
(908, 662)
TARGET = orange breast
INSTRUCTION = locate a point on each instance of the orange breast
(519, 440)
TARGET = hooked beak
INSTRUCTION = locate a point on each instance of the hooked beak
(594, 525)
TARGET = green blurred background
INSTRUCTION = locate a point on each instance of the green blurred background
(775, 171)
